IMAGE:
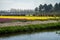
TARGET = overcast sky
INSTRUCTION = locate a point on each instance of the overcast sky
(24, 4)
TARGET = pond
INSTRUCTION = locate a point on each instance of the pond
(34, 36)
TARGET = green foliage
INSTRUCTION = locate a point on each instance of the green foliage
(49, 9)
(28, 28)
(56, 7)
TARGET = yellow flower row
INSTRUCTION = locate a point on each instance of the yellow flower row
(28, 17)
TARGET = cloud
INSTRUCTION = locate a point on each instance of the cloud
(15, 4)
(24, 4)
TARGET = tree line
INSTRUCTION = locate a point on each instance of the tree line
(48, 9)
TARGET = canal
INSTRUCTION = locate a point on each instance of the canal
(51, 35)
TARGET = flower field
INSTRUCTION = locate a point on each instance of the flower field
(29, 17)
(8, 18)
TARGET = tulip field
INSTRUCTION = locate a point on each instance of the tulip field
(6, 18)
(29, 17)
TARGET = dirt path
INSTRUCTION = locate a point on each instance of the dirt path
(26, 23)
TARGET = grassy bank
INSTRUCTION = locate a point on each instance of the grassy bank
(28, 28)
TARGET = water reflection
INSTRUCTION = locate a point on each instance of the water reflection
(34, 36)
(58, 32)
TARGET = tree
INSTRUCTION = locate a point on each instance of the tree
(50, 7)
(36, 9)
(59, 6)
(56, 7)
(40, 7)
(45, 7)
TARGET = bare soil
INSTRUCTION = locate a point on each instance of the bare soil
(27, 23)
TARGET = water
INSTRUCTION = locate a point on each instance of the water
(34, 36)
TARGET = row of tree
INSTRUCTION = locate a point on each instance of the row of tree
(48, 8)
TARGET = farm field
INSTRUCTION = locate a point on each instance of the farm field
(29, 17)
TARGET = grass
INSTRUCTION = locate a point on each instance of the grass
(28, 28)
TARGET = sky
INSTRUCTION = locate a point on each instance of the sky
(24, 4)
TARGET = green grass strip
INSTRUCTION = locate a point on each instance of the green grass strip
(29, 28)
